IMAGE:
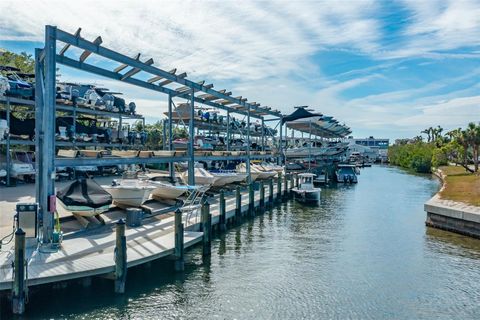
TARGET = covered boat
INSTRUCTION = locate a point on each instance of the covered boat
(84, 197)
(202, 176)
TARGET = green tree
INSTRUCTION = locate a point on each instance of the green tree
(22, 61)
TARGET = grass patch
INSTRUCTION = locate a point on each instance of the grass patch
(461, 185)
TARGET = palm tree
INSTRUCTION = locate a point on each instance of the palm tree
(428, 132)
(473, 138)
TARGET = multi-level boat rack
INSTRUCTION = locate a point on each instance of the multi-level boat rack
(12, 102)
(147, 76)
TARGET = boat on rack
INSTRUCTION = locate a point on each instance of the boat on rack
(129, 192)
(273, 167)
(225, 177)
(164, 190)
(346, 173)
(265, 173)
(202, 176)
(255, 172)
(306, 192)
(84, 197)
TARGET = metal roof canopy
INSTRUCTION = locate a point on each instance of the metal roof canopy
(224, 98)
(309, 126)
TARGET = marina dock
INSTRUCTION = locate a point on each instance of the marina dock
(91, 252)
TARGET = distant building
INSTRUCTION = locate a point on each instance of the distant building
(370, 148)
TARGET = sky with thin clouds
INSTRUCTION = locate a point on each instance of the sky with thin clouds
(385, 68)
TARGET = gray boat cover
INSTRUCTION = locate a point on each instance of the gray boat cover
(84, 192)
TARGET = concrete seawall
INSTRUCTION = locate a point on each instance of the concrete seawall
(452, 216)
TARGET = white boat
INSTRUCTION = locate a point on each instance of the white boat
(202, 176)
(264, 172)
(3, 129)
(346, 173)
(165, 190)
(225, 177)
(306, 192)
(21, 170)
(3, 173)
(129, 192)
(273, 167)
(254, 173)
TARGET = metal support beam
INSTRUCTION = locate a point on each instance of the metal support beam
(47, 151)
(279, 161)
(263, 134)
(228, 130)
(191, 131)
(249, 177)
(8, 155)
(171, 169)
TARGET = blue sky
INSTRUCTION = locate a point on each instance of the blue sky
(385, 68)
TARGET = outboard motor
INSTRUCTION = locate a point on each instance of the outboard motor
(70, 133)
(345, 178)
(131, 137)
(206, 116)
(107, 135)
(109, 100)
(350, 178)
(4, 85)
(143, 137)
(131, 107)
(214, 117)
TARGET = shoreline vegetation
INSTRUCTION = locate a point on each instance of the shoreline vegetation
(455, 154)
(460, 185)
(459, 147)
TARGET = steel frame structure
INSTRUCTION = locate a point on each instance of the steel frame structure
(45, 75)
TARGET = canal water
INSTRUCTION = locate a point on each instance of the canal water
(365, 253)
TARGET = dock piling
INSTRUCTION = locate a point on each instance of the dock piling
(223, 216)
(297, 180)
(270, 193)
(291, 185)
(19, 284)
(120, 257)
(285, 187)
(262, 197)
(251, 200)
(206, 228)
(238, 205)
(279, 188)
(179, 241)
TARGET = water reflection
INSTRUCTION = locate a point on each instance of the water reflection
(363, 253)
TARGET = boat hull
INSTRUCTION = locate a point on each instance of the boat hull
(164, 191)
(306, 196)
(128, 197)
(83, 211)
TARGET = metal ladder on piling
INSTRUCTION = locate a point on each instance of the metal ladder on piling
(193, 204)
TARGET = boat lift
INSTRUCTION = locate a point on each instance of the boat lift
(152, 78)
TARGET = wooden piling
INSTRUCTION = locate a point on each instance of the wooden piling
(285, 187)
(19, 284)
(262, 196)
(279, 188)
(270, 193)
(206, 228)
(120, 257)
(179, 242)
(223, 215)
(291, 185)
(238, 205)
(297, 180)
(251, 200)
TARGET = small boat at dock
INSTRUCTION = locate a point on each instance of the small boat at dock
(346, 173)
(306, 192)
(129, 192)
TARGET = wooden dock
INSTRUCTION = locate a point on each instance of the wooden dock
(91, 253)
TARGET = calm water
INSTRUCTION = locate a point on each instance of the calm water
(365, 253)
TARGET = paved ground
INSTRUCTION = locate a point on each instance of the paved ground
(10, 196)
